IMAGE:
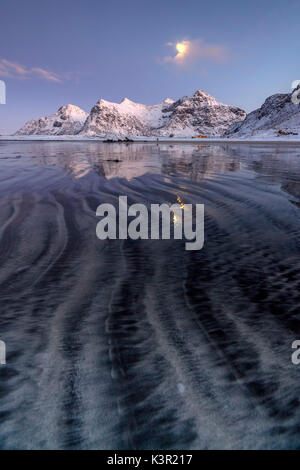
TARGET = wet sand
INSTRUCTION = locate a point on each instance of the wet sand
(124, 344)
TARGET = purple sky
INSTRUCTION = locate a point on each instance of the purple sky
(77, 51)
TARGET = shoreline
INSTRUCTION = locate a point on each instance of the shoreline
(151, 140)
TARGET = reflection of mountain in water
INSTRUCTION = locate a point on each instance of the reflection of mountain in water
(194, 162)
(274, 163)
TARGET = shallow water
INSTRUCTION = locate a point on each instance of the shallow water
(142, 344)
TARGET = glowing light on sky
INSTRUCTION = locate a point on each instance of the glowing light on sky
(181, 48)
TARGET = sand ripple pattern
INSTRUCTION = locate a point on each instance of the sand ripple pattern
(141, 344)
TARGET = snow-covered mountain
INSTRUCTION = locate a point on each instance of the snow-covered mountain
(186, 117)
(200, 113)
(277, 112)
(126, 118)
(68, 120)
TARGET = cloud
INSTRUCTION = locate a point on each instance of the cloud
(14, 70)
(44, 74)
(196, 50)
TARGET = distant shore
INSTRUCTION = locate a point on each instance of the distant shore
(162, 140)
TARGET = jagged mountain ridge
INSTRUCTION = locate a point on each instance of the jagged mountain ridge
(200, 113)
(68, 120)
(126, 118)
(186, 117)
(277, 112)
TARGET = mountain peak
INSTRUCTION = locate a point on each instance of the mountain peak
(127, 100)
(68, 120)
(278, 112)
(202, 95)
(70, 108)
(201, 92)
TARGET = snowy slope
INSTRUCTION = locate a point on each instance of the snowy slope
(68, 120)
(186, 117)
(277, 112)
(200, 113)
(126, 118)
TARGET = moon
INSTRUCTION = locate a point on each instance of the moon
(181, 48)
